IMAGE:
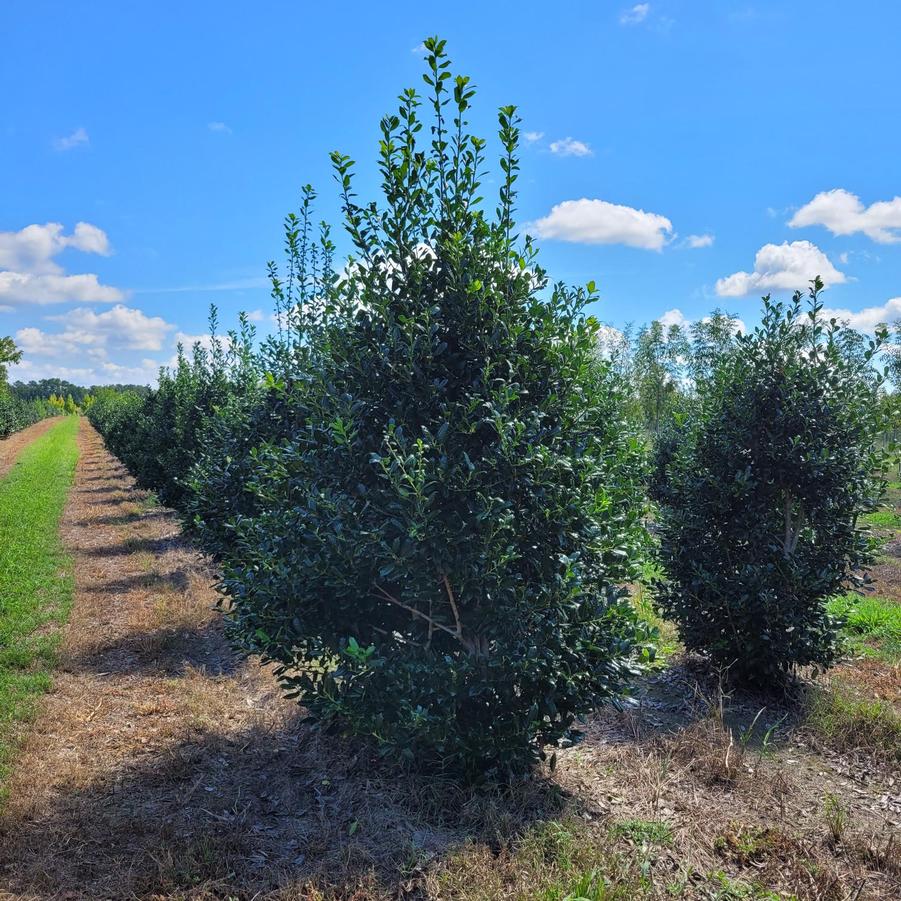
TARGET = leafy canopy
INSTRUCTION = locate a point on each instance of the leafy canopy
(440, 499)
(759, 524)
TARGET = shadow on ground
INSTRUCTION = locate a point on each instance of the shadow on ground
(238, 814)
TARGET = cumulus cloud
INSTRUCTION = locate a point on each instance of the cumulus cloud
(596, 221)
(83, 346)
(533, 136)
(636, 15)
(867, 319)
(32, 249)
(78, 138)
(569, 147)
(674, 317)
(86, 331)
(694, 242)
(21, 287)
(843, 213)
(30, 274)
(144, 372)
(781, 267)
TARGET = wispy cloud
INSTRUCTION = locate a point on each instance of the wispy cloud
(695, 242)
(570, 147)
(533, 136)
(241, 284)
(219, 127)
(636, 15)
(78, 138)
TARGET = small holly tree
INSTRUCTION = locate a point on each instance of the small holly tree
(432, 547)
(760, 521)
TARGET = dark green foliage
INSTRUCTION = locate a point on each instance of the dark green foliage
(432, 531)
(17, 414)
(159, 435)
(759, 528)
(423, 492)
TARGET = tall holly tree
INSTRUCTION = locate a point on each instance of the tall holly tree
(759, 524)
(434, 547)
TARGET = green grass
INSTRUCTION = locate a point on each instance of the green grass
(644, 832)
(882, 519)
(872, 624)
(35, 575)
(845, 721)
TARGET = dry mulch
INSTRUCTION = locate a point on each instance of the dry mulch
(11, 447)
(164, 766)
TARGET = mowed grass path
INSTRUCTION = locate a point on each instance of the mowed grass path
(35, 575)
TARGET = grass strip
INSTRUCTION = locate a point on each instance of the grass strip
(36, 582)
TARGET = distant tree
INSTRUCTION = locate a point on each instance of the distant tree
(659, 367)
(9, 353)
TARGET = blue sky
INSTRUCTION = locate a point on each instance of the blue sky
(683, 155)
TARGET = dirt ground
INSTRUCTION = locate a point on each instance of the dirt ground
(163, 766)
(11, 447)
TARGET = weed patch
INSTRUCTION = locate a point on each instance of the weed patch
(871, 623)
(846, 722)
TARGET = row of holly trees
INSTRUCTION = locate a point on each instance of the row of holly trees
(427, 491)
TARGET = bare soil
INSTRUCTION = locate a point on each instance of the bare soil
(165, 766)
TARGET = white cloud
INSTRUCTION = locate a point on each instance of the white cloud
(570, 147)
(30, 274)
(635, 15)
(843, 213)
(599, 222)
(78, 138)
(82, 348)
(256, 316)
(32, 248)
(693, 242)
(86, 331)
(21, 287)
(104, 373)
(420, 49)
(782, 267)
(219, 127)
(533, 136)
(867, 319)
(674, 317)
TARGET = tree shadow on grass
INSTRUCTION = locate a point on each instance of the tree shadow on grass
(123, 519)
(178, 581)
(166, 651)
(250, 811)
(155, 546)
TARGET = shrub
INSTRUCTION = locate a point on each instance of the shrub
(760, 525)
(433, 542)
(17, 414)
(159, 435)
